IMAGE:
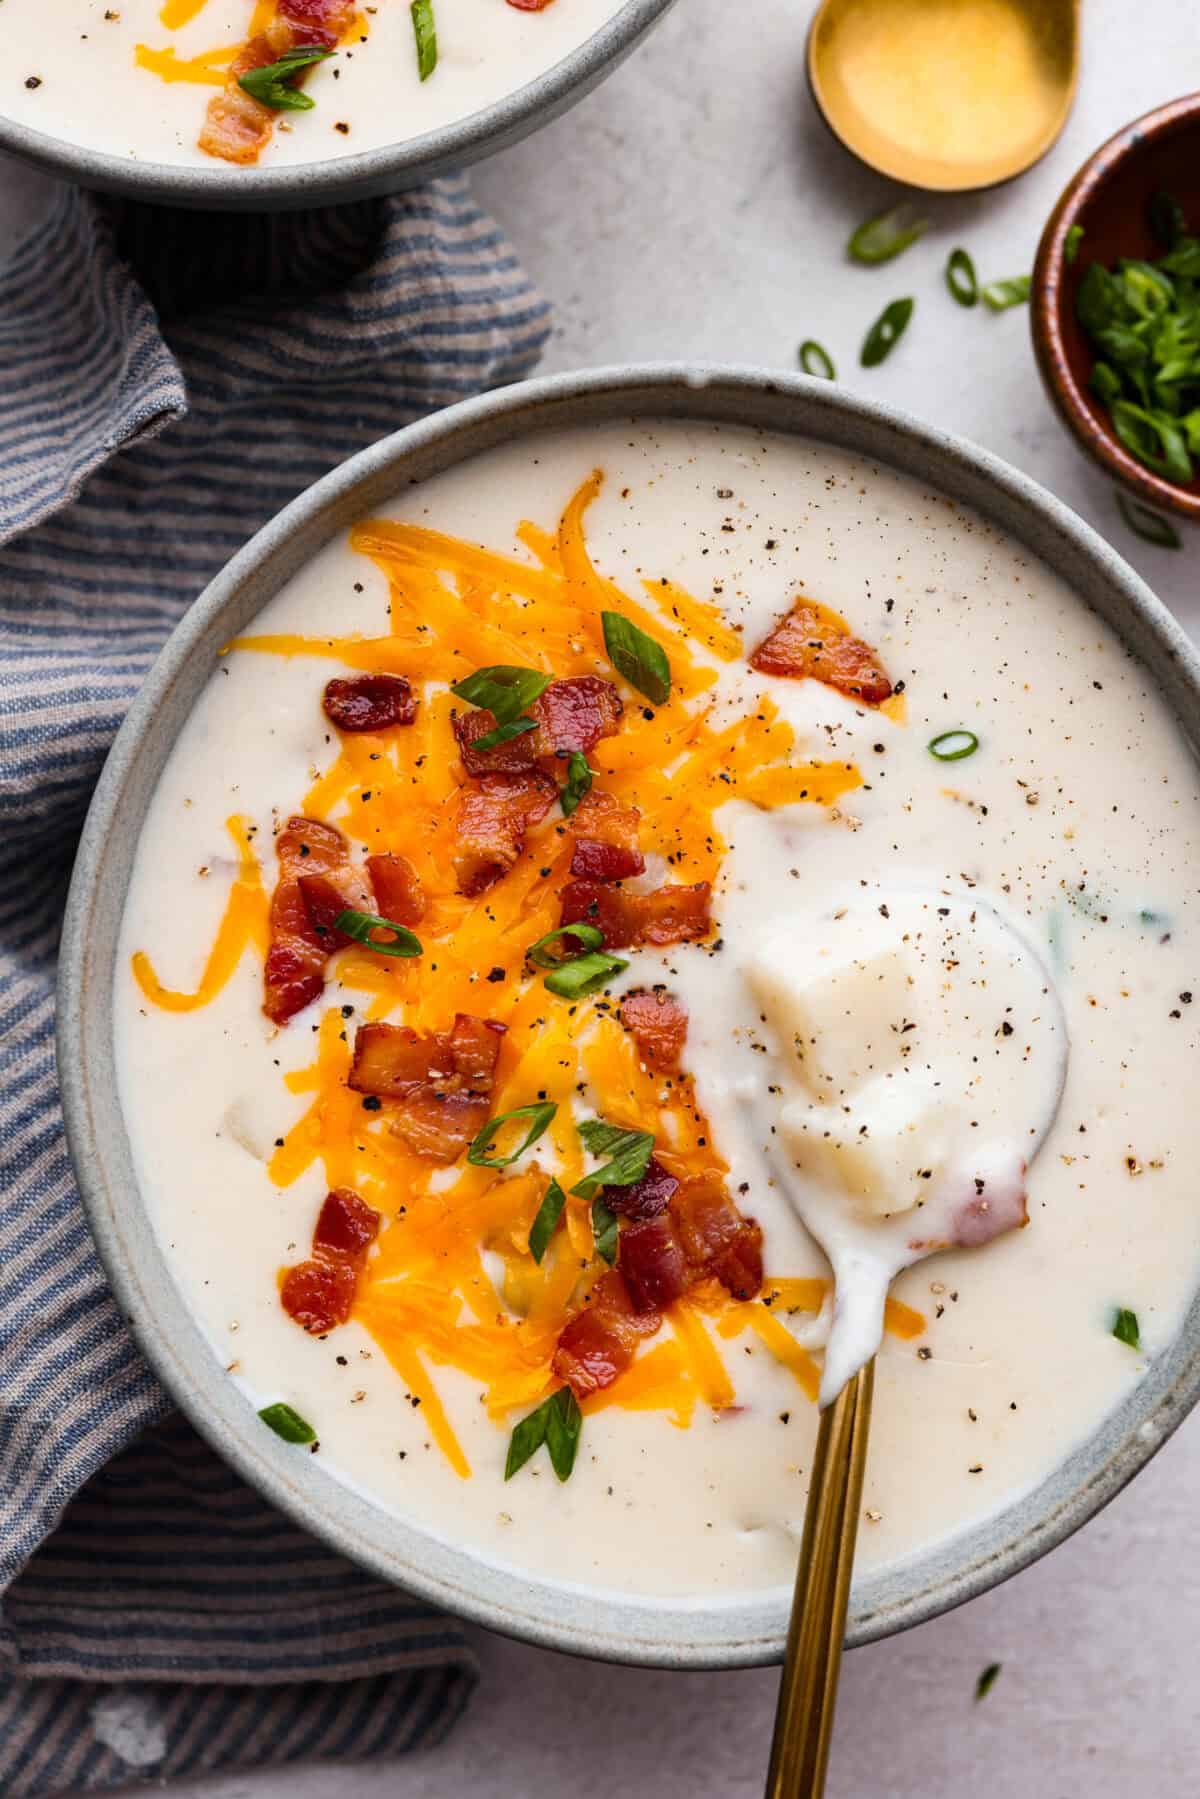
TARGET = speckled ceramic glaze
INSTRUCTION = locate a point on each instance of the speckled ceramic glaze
(1109, 200)
(363, 177)
(675, 1633)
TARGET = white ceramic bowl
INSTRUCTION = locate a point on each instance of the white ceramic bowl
(728, 1632)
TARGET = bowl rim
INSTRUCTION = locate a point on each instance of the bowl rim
(364, 174)
(744, 1629)
(1090, 429)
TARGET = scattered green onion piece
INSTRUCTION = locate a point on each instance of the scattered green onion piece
(287, 1423)
(1072, 242)
(953, 746)
(881, 238)
(425, 32)
(505, 691)
(539, 1117)
(564, 1421)
(1000, 295)
(516, 727)
(816, 360)
(588, 934)
(556, 1423)
(360, 925)
(579, 782)
(548, 1215)
(1125, 1327)
(1167, 219)
(630, 1154)
(886, 332)
(584, 975)
(987, 1680)
(605, 1230)
(1151, 526)
(1105, 383)
(271, 85)
(961, 278)
(642, 661)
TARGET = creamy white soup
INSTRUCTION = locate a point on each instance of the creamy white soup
(181, 81)
(871, 833)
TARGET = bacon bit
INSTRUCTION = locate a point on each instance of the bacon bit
(645, 1198)
(397, 888)
(716, 1239)
(319, 1293)
(672, 914)
(369, 702)
(571, 715)
(313, 860)
(442, 1081)
(511, 758)
(658, 1023)
(653, 1263)
(811, 641)
(493, 817)
(346, 1226)
(574, 715)
(237, 128)
(600, 1341)
(606, 839)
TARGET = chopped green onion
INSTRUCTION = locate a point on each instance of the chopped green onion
(881, 238)
(886, 332)
(953, 746)
(589, 935)
(1167, 219)
(548, 1215)
(1150, 525)
(505, 691)
(642, 661)
(1125, 1327)
(816, 360)
(987, 1680)
(961, 278)
(1154, 438)
(287, 1424)
(556, 1423)
(1105, 383)
(1000, 295)
(1072, 242)
(630, 1154)
(271, 85)
(605, 1230)
(425, 32)
(362, 925)
(579, 782)
(564, 1421)
(516, 727)
(539, 1117)
(584, 974)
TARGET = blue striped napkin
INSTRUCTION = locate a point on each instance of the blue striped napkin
(167, 382)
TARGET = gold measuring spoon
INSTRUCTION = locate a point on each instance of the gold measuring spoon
(945, 94)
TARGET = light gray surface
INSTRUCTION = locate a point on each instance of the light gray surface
(694, 206)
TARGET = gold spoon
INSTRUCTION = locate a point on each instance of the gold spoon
(808, 1687)
(945, 94)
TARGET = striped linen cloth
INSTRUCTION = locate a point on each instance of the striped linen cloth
(167, 382)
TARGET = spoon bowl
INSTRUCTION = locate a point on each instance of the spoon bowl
(946, 95)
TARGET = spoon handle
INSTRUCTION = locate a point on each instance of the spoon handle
(808, 1687)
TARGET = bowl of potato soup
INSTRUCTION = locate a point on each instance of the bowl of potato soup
(579, 833)
(288, 103)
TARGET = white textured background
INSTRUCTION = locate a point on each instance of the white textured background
(695, 206)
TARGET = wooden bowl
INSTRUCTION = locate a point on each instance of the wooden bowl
(1109, 198)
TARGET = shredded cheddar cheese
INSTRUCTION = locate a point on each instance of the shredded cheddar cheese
(451, 1282)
